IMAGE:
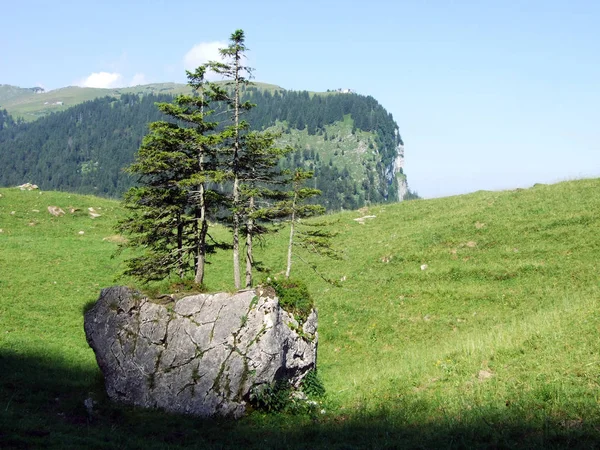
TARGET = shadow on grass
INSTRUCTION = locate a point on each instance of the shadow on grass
(42, 406)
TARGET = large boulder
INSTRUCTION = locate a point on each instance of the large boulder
(202, 354)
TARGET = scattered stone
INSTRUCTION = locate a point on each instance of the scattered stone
(424, 266)
(12, 213)
(361, 220)
(1, 230)
(56, 211)
(28, 187)
(89, 406)
(479, 225)
(572, 423)
(93, 213)
(484, 375)
(202, 355)
(35, 210)
(81, 233)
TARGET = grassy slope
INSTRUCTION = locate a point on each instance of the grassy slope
(23, 103)
(494, 344)
(8, 92)
(342, 146)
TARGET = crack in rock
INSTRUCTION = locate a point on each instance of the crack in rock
(201, 357)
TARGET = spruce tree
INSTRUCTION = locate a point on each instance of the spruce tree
(232, 68)
(157, 219)
(296, 208)
(261, 183)
(169, 210)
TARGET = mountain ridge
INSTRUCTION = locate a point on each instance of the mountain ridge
(32, 103)
(351, 142)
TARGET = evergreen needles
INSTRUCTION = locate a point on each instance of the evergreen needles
(193, 170)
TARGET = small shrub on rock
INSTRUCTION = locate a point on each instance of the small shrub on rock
(293, 296)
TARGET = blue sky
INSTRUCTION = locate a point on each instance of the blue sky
(487, 94)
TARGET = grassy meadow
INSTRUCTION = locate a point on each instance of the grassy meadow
(30, 106)
(463, 322)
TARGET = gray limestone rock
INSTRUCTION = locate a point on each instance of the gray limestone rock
(199, 355)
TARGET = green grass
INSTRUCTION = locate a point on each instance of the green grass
(340, 144)
(30, 106)
(494, 345)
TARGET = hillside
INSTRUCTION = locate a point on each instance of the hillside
(13, 94)
(30, 104)
(350, 141)
(492, 345)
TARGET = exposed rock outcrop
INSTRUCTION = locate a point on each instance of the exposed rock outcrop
(202, 354)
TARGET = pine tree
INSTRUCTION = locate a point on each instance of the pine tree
(238, 74)
(254, 157)
(169, 210)
(156, 219)
(260, 183)
(297, 208)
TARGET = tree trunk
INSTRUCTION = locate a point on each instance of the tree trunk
(291, 243)
(180, 246)
(249, 236)
(202, 225)
(236, 236)
(236, 185)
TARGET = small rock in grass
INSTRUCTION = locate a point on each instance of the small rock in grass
(424, 266)
(82, 232)
(56, 211)
(89, 406)
(28, 187)
(484, 375)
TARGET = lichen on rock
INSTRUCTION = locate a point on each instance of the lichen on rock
(201, 355)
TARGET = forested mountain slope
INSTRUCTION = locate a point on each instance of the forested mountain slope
(350, 141)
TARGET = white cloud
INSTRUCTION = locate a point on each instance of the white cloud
(138, 79)
(103, 80)
(202, 53)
